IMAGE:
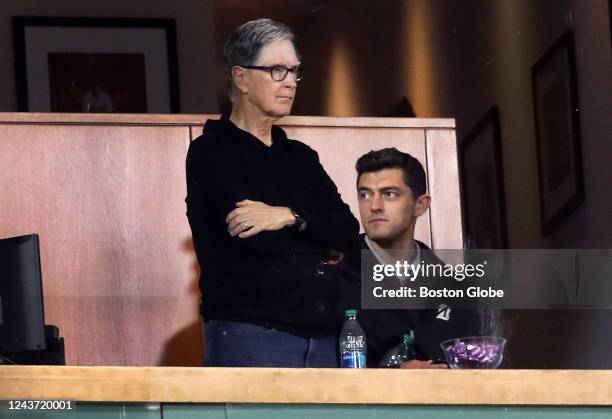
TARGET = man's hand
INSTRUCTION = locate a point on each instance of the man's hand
(252, 217)
(415, 364)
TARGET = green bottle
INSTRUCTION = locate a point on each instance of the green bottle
(399, 353)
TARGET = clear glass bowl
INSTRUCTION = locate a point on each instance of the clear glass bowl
(481, 352)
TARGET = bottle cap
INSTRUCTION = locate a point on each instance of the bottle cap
(350, 313)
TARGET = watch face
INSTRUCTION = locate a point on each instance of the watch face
(299, 222)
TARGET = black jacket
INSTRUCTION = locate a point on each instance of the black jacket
(274, 278)
(384, 328)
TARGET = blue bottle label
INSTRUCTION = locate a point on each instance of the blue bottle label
(353, 359)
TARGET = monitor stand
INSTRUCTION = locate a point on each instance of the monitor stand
(54, 354)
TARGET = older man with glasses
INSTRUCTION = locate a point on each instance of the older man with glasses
(264, 217)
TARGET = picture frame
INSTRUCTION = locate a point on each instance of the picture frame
(557, 132)
(482, 185)
(87, 64)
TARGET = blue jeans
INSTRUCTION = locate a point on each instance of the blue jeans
(236, 344)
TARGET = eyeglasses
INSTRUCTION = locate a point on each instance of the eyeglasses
(279, 72)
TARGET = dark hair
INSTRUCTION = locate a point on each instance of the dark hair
(246, 42)
(392, 158)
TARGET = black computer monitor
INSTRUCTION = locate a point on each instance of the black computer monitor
(22, 321)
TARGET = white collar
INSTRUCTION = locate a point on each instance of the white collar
(415, 261)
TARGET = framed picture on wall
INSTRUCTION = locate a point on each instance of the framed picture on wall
(482, 185)
(557, 130)
(66, 64)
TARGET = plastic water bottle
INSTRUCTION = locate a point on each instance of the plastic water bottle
(352, 342)
(399, 353)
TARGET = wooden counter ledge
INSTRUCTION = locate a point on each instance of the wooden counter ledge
(318, 386)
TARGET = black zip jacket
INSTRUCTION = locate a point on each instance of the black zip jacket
(275, 278)
(385, 328)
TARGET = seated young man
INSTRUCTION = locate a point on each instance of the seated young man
(392, 196)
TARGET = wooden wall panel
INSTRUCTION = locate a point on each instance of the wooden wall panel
(443, 179)
(108, 203)
(195, 132)
(106, 195)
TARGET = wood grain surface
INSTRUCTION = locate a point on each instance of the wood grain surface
(445, 211)
(320, 386)
(108, 204)
(186, 119)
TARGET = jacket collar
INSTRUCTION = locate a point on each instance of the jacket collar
(225, 127)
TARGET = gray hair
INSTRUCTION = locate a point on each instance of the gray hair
(245, 44)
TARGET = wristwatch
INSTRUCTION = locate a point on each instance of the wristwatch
(300, 223)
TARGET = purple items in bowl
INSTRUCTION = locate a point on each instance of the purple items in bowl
(474, 352)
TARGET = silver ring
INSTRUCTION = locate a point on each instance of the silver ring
(246, 224)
